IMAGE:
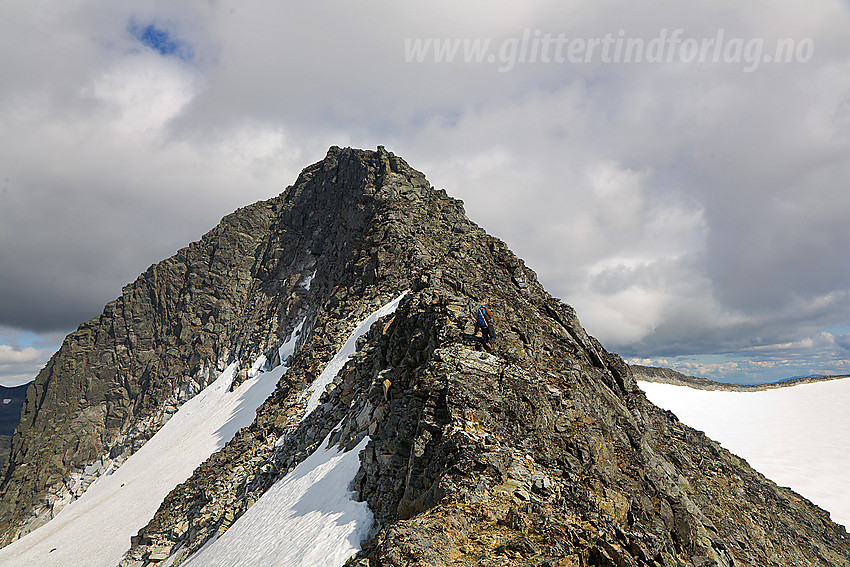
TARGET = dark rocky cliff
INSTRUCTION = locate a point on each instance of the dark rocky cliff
(541, 452)
(118, 376)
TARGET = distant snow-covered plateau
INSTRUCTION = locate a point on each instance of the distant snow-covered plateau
(796, 436)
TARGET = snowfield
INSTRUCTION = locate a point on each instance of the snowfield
(796, 436)
(317, 388)
(308, 516)
(95, 530)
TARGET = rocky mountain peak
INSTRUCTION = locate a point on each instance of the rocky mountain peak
(541, 451)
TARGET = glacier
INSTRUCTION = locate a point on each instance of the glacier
(95, 530)
(308, 518)
(796, 436)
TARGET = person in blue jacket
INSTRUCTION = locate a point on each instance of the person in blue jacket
(484, 323)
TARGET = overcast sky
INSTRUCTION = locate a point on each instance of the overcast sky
(676, 171)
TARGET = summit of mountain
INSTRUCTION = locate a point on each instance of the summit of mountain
(539, 451)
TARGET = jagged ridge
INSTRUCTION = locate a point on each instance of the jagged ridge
(544, 452)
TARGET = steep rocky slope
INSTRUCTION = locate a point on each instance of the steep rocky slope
(116, 379)
(541, 452)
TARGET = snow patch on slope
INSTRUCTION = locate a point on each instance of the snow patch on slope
(308, 280)
(95, 530)
(795, 436)
(317, 388)
(325, 523)
(307, 518)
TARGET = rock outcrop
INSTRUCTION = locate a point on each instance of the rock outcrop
(542, 452)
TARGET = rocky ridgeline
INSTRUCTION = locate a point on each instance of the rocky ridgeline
(542, 452)
(669, 376)
(119, 377)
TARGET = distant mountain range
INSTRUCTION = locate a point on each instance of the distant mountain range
(11, 402)
(669, 376)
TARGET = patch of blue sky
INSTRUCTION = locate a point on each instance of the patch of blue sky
(17, 338)
(839, 331)
(740, 368)
(162, 40)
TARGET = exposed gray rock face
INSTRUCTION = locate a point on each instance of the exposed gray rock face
(119, 377)
(542, 452)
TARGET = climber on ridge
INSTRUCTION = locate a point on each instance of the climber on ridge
(484, 323)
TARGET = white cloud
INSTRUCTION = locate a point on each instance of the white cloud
(143, 93)
(20, 365)
(9, 355)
